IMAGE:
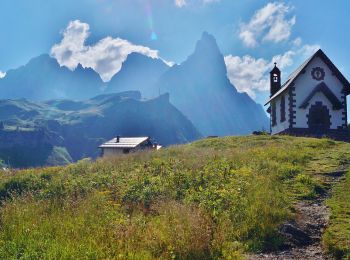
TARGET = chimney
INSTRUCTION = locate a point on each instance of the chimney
(117, 139)
(275, 80)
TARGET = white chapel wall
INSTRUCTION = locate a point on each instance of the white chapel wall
(280, 126)
(304, 85)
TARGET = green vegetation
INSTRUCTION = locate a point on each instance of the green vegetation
(26, 156)
(213, 199)
(337, 236)
(59, 156)
(80, 127)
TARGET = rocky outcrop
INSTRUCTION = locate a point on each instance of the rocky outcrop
(200, 89)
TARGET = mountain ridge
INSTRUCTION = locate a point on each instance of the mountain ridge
(77, 128)
(215, 107)
(43, 78)
(138, 72)
(198, 87)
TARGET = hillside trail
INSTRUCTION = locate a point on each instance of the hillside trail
(304, 234)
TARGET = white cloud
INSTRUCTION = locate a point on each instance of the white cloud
(182, 3)
(270, 23)
(2, 74)
(246, 73)
(308, 50)
(284, 60)
(297, 42)
(210, 1)
(105, 57)
(250, 75)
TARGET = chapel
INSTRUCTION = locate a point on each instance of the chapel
(312, 101)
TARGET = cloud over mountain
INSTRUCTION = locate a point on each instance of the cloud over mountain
(105, 57)
(247, 73)
(251, 74)
(270, 23)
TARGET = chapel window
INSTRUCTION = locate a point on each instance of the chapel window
(283, 109)
(273, 114)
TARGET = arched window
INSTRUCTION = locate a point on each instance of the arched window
(283, 109)
(273, 114)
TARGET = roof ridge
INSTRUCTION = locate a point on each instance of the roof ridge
(295, 74)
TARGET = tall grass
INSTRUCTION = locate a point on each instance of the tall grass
(337, 236)
(212, 199)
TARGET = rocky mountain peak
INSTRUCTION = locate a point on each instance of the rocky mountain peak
(207, 45)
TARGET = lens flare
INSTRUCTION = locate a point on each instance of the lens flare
(154, 36)
(149, 13)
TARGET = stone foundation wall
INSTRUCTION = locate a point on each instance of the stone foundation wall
(336, 134)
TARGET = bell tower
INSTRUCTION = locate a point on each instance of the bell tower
(275, 80)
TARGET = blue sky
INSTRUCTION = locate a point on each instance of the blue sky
(251, 34)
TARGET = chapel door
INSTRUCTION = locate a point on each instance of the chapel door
(319, 118)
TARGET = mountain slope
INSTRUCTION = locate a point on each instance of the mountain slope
(81, 126)
(139, 73)
(113, 114)
(199, 87)
(42, 78)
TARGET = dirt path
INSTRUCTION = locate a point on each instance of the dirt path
(303, 236)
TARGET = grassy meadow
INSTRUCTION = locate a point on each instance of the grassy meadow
(337, 237)
(213, 199)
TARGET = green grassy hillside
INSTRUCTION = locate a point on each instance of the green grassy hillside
(212, 199)
(337, 237)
